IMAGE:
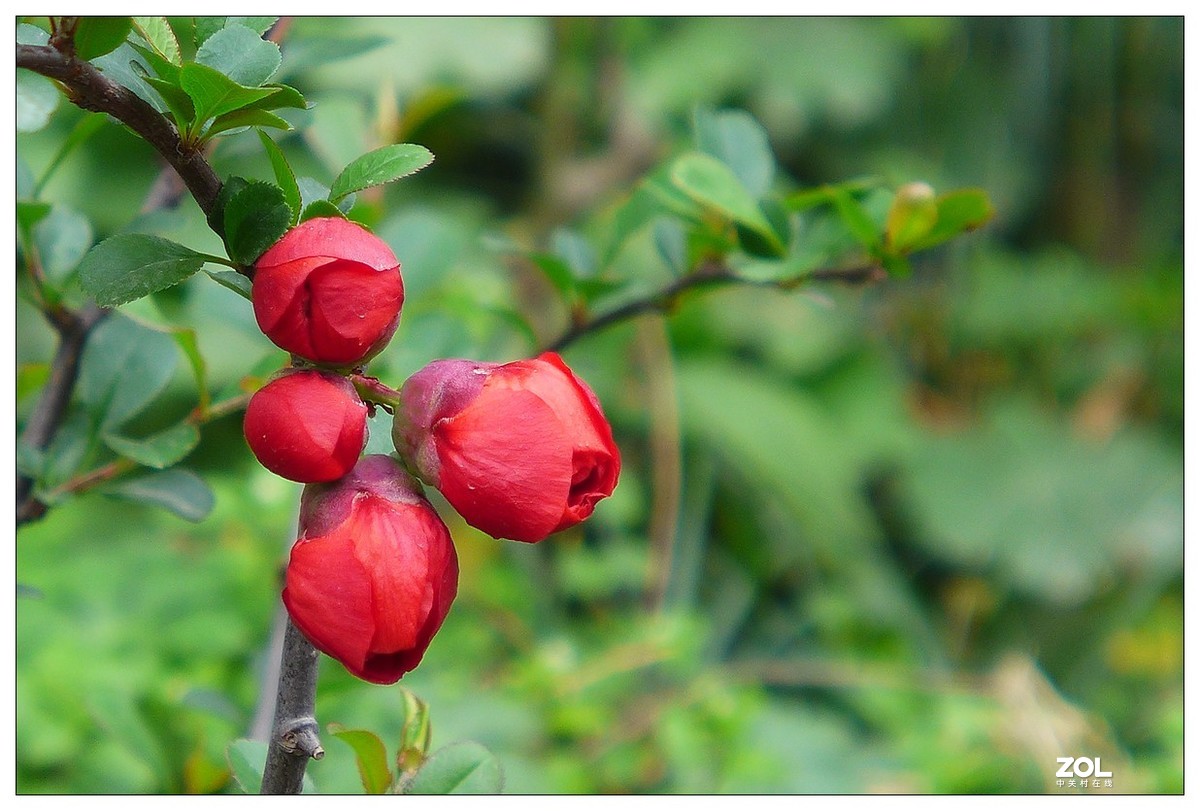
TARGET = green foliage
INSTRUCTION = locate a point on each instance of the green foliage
(128, 266)
(96, 36)
(892, 536)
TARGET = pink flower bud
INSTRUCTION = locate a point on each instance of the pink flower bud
(374, 572)
(329, 291)
(521, 450)
(306, 425)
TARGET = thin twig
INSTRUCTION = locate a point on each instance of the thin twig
(43, 424)
(712, 274)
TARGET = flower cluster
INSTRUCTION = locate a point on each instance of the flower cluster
(521, 450)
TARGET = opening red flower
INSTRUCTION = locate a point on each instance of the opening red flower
(521, 449)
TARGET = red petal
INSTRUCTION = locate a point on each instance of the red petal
(353, 308)
(329, 598)
(282, 303)
(333, 238)
(505, 464)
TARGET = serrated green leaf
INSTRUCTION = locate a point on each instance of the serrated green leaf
(159, 36)
(127, 67)
(248, 117)
(160, 450)
(128, 266)
(380, 166)
(178, 490)
(96, 36)
(255, 218)
(163, 68)
(284, 176)
(241, 54)
(62, 239)
(125, 365)
(710, 182)
(247, 759)
(856, 218)
(461, 768)
(739, 141)
(232, 280)
(37, 98)
(205, 27)
(214, 94)
(177, 101)
(320, 208)
(957, 212)
(371, 756)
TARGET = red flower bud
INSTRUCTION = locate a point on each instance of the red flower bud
(329, 291)
(307, 426)
(374, 571)
(521, 450)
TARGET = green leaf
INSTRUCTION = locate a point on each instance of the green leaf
(739, 141)
(283, 96)
(755, 244)
(284, 176)
(30, 378)
(160, 450)
(214, 94)
(233, 280)
(255, 218)
(29, 214)
(158, 34)
(311, 191)
(461, 768)
(185, 339)
(70, 445)
(576, 251)
(125, 365)
(205, 27)
(178, 490)
(37, 98)
(380, 166)
(248, 117)
(30, 460)
(371, 756)
(856, 218)
(670, 239)
(29, 34)
(321, 208)
(128, 266)
(247, 759)
(912, 215)
(163, 68)
(259, 25)
(414, 735)
(556, 272)
(177, 101)
(96, 36)
(241, 54)
(62, 239)
(957, 212)
(710, 182)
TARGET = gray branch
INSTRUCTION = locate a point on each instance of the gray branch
(294, 738)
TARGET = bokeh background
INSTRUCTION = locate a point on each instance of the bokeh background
(924, 536)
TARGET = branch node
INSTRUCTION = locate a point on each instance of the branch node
(299, 735)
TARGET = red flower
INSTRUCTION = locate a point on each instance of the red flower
(329, 291)
(374, 571)
(307, 426)
(521, 450)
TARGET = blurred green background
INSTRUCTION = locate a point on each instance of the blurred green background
(924, 536)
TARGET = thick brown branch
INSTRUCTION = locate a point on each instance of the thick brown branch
(713, 274)
(90, 89)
